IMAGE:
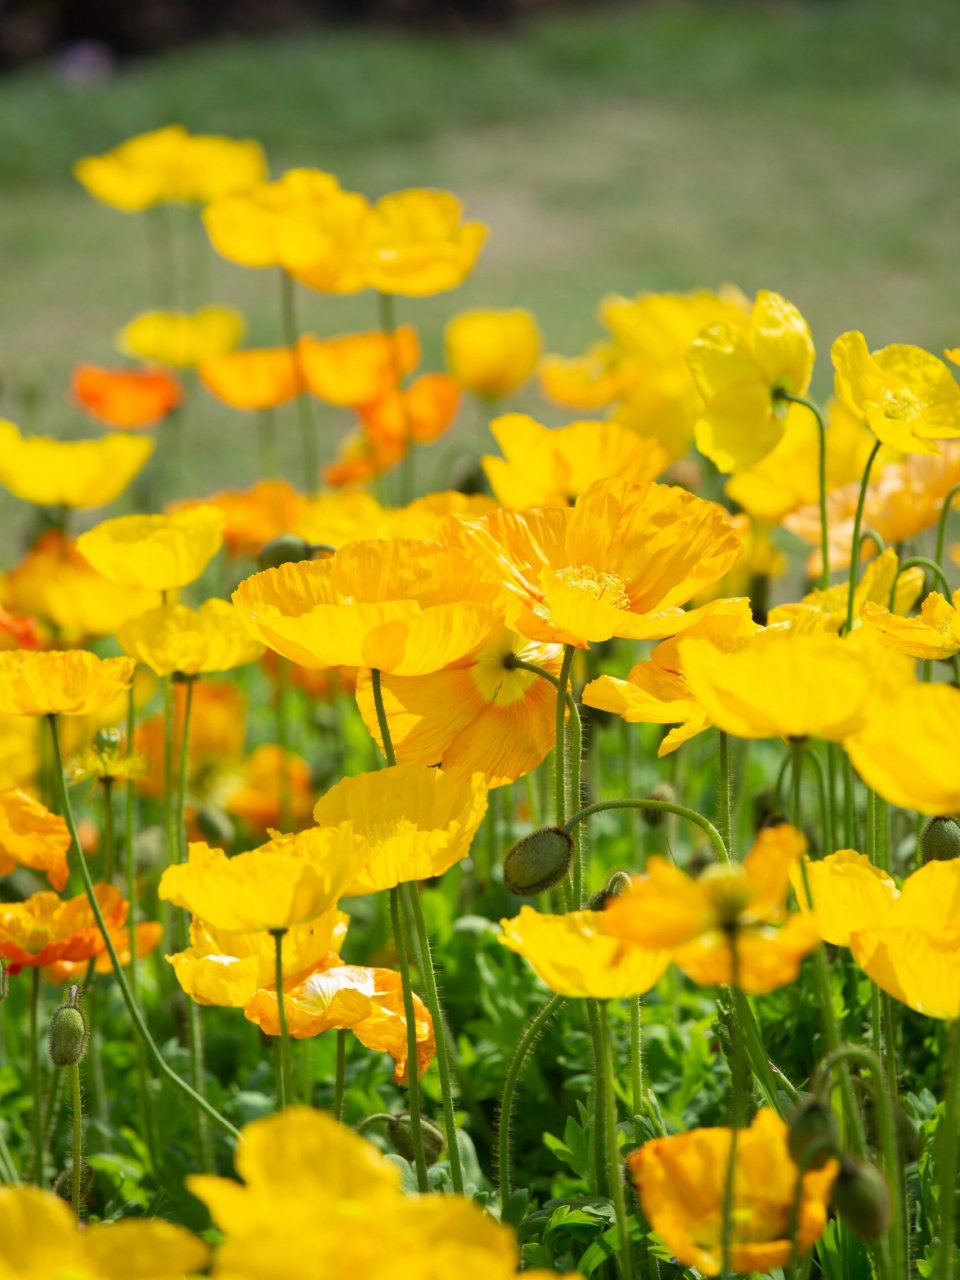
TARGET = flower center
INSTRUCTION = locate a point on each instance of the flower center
(599, 584)
(901, 404)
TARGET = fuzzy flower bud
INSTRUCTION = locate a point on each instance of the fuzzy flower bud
(67, 1038)
(813, 1136)
(940, 841)
(538, 861)
(861, 1198)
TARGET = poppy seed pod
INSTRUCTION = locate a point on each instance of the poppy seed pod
(616, 885)
(538, 861)
(399, 1133)
(861, 1198)
(813, 1135)
(662, 792)
(67, 1038)
(940, 841)
(285, 549)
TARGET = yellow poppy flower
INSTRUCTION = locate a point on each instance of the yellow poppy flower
(479, 715)
(256, 378)
(254, 516)
(349, 997)
(356, 368)
(907, 397)
(701, 920)
(492, 352)
(408, 822)
(913, 951)
(739, 370)
(656, 691)
(170, 164)
(69, 473)
(32, 836)
(574, 957)
(825, 609)
(228, 969)
(906, 749)
(304, 222)
(583, 382)
(682, 1182)
(154, 552)
(934, 634)
(287, 881)
(417, 244)
(544, 467)
(41, 1242)
(619, 563)
(183, 339)
(426, 517)
(402, 606)
(45, 928)
(71, 682)
(55, 583)
(290, 1162)
(190, 641)
(847, 891)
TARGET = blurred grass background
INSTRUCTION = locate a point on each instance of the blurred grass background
(807, 147)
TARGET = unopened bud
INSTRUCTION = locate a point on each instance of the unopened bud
(940, 841)
(861, 1198)
(400, 1133)
(215, 826)
(538, 862)
(664, 793)
(813, 1135)
(107, 741)
(67, 1038)
(617, 884)
(285, 549)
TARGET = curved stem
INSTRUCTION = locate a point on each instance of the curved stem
(76, 1169)
(291, 332)
(871, 535)
(855, 540)
(284, 1084)
(826, 818)
(528, 1038)
(132, 1008)
(931, 566)
(822, 480)
(409, 1013)
(663, 806)
(614, 1172)
(942, 523)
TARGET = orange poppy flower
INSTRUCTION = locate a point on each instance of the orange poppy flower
(357, 367)
(17, 632)
(125, 398)
(254, 516)
(360, 459)
(218, 728)
(43, 928)
(257, 378)
(256, 800)
(32, 836)
(148, 934)
(420, 413)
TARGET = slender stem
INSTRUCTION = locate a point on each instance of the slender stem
(284, 1084)
(560, 754)
(291, 332)
(409, 1013)
(768, 1076)
(184, 769)
(664, 806)
(339, 1086)
(281, 687)
(832, 770)
(36, 1110)
(947, 1161)
(849, 812)
(415, 907)
(636, 1062)
(130, 840)
(76, 1169)
(871, 535)
(855, 540)
(132, 1007)
(822, 484)
(942, 524)
(595, 1018)
(382, 722)
(386, 306)
(723, 792)
(169, 790)
(576, 799)
(739, 1102)
(525, 1044)
(931, 566)
(614, 1172)
(267, 432)
(198, 1072)
(826, 817)
(109, 835)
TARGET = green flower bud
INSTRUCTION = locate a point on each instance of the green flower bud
(663, 792)
(616, 885)
(861, 1198)
(285, 549)
(940, 841)
(107, 741)
(215, 826)
(538, 861)
(813, 1135)
(67, 1037)
(767, 811)
(399, 1132)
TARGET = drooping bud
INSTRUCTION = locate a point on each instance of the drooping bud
(616, 885)
(663, 792)
(538, 861)
(215, 826)
(67, 1038)
(813, 1135)
(399, 1131)
(861, 1198)
(287, 548)
(940, 841)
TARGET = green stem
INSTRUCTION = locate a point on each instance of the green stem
(723, 792)
(169, 789)
(36, 1113)
(739, 1102)
(76, 1170)
(339, 1086)
(822, 484)
(281, 688)
(189, 681)
(560, 753)
(291, 332)
(386, 306)
(109, 835)
(942, 524)
(931, 567)
(284, 1084)
(595, 1017)
(409, 1013)
(130, 840)
(525, 1044)
(415, 908)
(855, 540)
(132, 1008)
(826, 817)
(614, 1172)
(382, 722)
(947, 1162)
(636, 1062)
(664, 806)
